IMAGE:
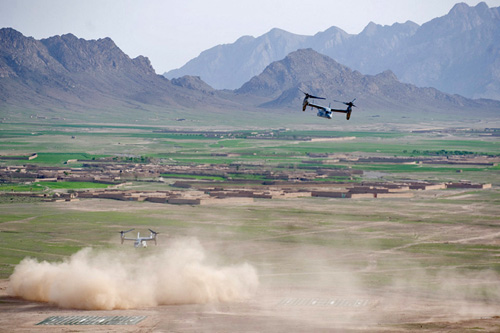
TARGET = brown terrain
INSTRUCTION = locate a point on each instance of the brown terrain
(305, 284)
(310, 248)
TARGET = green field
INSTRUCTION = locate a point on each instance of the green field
(124, 143)
(400, 229)
(181, 176)
(37, 187)
(409, 257)
(57, 144)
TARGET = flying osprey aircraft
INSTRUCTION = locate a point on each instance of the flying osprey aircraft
(140, 241)
(326, 112)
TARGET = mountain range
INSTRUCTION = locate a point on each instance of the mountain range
(458, 53)
(281, 83)
(71, 73)
(90, 77)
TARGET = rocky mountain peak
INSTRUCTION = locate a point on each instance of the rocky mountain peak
(370, 29)
(463, 9)
(67, 72)
(144, 65)
(459, 9)
(193, 83)
(276, 32)
(307, 70)
(455, 53)
(463, 17)
(72, 74)
(80, 55)
(302, 66)
(387, 76)
(9, 37)
(20, 55)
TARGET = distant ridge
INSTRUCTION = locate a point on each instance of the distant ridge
(456, 53)
(86, 77)
(71, 73)
(307, 70)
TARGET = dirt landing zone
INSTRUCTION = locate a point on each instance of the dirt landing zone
(422, 264)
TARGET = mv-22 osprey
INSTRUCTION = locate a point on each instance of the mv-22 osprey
(139, 241)
(326, 112)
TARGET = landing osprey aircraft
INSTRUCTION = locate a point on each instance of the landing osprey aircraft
(139, 241)
(326, 112)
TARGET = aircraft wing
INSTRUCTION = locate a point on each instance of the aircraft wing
(317, 106)
(337, 110)
(140, 239)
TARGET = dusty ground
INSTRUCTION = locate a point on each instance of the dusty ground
(310, 283)
(269, 311)
(274, 310)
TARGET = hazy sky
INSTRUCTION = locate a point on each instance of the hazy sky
(170, 33)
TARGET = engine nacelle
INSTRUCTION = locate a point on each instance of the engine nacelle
(305, 104)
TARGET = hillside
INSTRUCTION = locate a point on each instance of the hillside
(231, 65)
(457, 53)
(65, 72)
(64, 76)
(307, 70)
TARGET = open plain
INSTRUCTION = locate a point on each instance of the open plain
(275, 209)
(427, 263)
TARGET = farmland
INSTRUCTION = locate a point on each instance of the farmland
(410, 262)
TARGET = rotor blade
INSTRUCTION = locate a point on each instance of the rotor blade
(124, 232)
(346, 103)
(311, 96)
(316, 97)
(154, 232)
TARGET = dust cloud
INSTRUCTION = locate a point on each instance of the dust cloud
(130, 278)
